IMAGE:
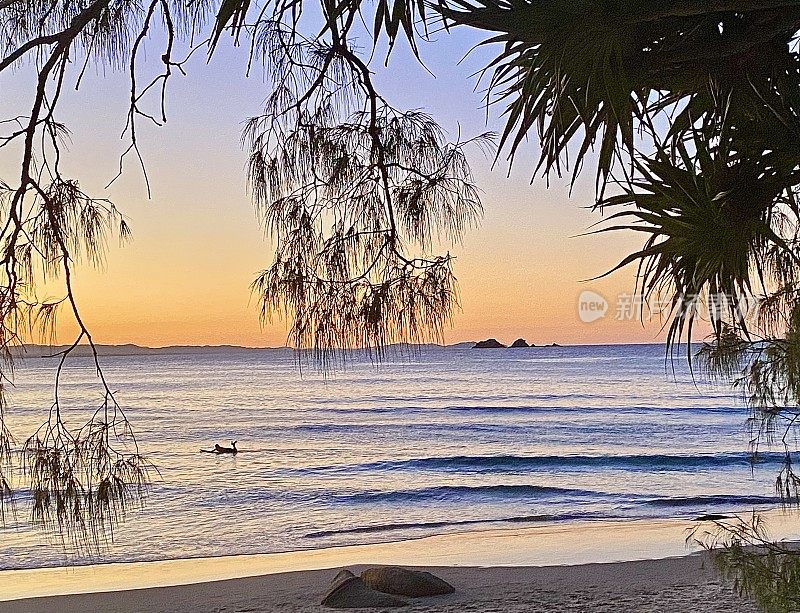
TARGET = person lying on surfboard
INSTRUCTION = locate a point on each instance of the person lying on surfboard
(219, 449)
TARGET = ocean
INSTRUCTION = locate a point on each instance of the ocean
(440, 440)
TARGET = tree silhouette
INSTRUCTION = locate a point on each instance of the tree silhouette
(692, 109)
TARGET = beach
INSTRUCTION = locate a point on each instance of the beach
(643, 565)
(685, 584)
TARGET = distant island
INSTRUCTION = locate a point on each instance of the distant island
(493, 343)
(490, 343)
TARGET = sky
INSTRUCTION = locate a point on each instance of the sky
(197, 244)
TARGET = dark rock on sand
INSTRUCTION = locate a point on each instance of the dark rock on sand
(490, 343)
(349, 592)
(405, 582)
(520, 342)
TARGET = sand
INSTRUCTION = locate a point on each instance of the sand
(676, 585)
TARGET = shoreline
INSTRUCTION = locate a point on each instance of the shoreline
(680, 585)
(488, 527)
(775, 513)
(541, 546)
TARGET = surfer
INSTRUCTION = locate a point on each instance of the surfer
(219, 449)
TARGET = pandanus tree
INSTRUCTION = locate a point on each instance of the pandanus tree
(688, 111)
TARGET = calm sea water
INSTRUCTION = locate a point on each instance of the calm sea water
(449, 439)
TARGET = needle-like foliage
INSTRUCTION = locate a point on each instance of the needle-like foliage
(745, 553)
(355, 194)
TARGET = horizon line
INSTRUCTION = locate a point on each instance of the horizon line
(278, 347)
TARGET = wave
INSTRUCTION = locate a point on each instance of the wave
(526, 403)
(443, 492)
(712, 500)
(533, 406)
(496, 463)
(538, 492)
(571, 408)
(446, 524)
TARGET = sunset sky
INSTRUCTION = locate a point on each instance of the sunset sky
(197, 244)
